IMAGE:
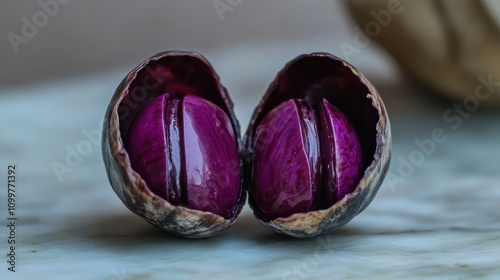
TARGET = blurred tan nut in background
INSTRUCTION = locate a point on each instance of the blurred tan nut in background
(451, 47)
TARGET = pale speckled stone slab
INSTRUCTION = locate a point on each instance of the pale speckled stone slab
(441, 222)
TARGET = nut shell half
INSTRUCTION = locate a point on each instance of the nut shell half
(198, 77)
(358, 99)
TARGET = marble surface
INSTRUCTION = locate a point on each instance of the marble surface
(439, 221)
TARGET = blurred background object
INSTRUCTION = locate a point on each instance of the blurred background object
(449, 46)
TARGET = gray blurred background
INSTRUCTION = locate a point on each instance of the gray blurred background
(95, 37)
(91, 37)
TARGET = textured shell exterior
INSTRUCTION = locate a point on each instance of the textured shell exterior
(314, 223)
(131, 188)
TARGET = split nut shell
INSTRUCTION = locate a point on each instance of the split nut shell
(171, 146)
(318, 147)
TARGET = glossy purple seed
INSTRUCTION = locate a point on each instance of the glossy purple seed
(185, 150)
(306, 158)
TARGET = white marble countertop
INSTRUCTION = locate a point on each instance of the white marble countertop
(442, 221)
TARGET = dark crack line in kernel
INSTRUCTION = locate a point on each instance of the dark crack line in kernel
(306, 123)
(164, 114)
(173, 139)
(321, 199)
(171, 194)
(313, 97)
(326, 202)
(182, 151)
